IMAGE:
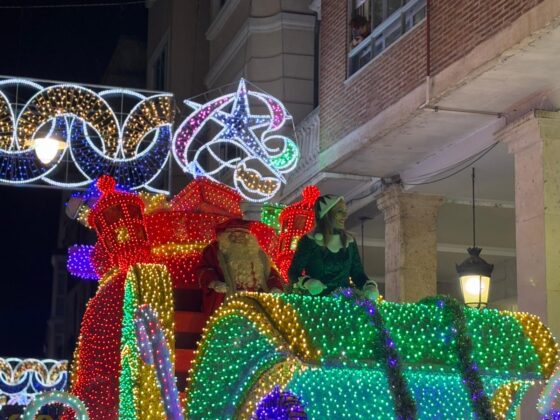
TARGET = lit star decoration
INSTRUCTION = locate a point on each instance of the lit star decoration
(96, 141)
(56, 397)
(332, 353)
(21, 380)
(263, 154)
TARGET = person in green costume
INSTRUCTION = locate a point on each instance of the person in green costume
(327, 258)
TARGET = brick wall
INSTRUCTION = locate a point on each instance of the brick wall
(457, 26)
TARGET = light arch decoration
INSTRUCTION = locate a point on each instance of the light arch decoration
(21, 380)
(224, 139)
(64, 398)
(117, 132)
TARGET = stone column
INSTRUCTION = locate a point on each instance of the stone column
(535, 143)
(410, 244)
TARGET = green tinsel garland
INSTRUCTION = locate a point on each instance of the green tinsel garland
(453, 313)
(405, 406)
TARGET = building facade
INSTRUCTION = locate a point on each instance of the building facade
(432, 89)
(395, 101)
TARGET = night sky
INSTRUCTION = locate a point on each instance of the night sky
(68, 44)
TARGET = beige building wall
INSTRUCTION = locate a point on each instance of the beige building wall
(271, 44)
(176, 28)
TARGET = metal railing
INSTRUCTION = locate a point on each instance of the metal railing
(308, 141)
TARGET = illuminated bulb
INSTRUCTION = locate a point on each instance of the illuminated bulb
(475, 289)
(473, 285)
(47, 148)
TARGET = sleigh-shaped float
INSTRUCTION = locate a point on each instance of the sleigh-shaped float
(343, 357)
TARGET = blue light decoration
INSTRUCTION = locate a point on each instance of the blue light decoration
(262, 154)
(80, 262)
(279, 405)
(21, 380)
(129, 140)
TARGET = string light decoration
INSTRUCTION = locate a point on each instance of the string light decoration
(139, 388)
(93, 141)
(154, 350)
(148, 227)
(270, 215)
(332, 355)
(118, 219)
(21, 380)
(549, 401)
(295, 220)
(263, 155)
(279, 405)
(508, 398)
(96, 367)
(80, 263)
(56, 397)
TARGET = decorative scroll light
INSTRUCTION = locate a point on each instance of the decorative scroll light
(68, 135)
(249, 147)
(21, 380)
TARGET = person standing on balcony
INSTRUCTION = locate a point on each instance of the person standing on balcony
(359, 28)
(327, 258)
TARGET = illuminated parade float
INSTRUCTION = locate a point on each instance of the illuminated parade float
(149, 346)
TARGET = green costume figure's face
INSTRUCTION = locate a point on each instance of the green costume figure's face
(339, 215)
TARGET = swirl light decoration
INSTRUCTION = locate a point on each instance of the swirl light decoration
(22, 379)
(250, 147)
(117, 132)
(332, 355)
(54, 397)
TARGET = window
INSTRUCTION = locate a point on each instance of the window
(376, 24)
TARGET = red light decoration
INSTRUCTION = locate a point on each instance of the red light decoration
(206, 196)
(295, 220)
(143, 228)
(118, 219)
(266, 237)
(95, 378)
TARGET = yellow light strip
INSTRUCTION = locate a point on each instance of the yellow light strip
(541, 339)
(503, 398)
(172, 249)
(154, 287)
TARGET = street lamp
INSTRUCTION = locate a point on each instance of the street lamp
(47, 148)
(474, 273)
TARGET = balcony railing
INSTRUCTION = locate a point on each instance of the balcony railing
(386, 34)
(307, 138)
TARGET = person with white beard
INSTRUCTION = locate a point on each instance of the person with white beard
(235, 262)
